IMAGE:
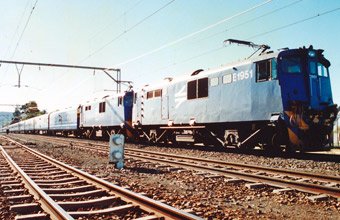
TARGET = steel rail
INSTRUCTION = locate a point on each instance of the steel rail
(299, 174)
(248, 166)
(144, 202)
(272, 181)
(47, 203)
(277, 182)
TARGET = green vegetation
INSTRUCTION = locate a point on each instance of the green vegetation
(26, 111)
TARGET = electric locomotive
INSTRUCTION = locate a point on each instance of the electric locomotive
(275, 101)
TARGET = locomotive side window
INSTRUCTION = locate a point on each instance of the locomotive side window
(158, 93)
(149, 95)
(154, 94)
(197, 88)
(192, 88)
(214, 81)
(120, 100)
(226, 79)
(135, 98)
(266, 70)
(202, 90)
(101, 107)
(263, 71)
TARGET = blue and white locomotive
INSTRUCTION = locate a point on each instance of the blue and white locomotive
(274, 100)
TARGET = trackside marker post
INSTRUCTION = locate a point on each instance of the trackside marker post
(116, 153)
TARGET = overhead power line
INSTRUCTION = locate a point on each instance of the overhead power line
(17, 28)
(23, 31)
(116, 20)
(254, 36)
(128, 30)
(193, 34)
(295, 23)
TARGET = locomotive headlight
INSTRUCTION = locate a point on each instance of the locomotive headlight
(311, 53)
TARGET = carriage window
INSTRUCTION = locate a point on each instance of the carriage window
(135, 98)
(101, 107)
(227, 79)
(214, 81)
(197, 88)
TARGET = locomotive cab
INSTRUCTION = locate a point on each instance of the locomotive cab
(309, 111)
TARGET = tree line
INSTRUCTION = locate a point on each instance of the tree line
(26, 111)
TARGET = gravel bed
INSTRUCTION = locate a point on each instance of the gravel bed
(330, 168)
(210, 198)
(5, 213)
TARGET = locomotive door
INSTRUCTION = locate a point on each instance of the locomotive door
(324, 84)
(320, 89)
(165, 104)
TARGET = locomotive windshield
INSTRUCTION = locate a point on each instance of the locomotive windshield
(291, 64)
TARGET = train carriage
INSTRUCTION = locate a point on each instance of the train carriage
(29, 126)
(64, 121)
(41, 124)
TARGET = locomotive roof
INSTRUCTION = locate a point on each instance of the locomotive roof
(207, 72)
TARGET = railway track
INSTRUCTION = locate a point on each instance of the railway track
(319, 186)
(65, 192)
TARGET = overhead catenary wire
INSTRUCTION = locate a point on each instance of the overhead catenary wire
(116, 20)
(23, 31)
(194, 33)
(17, 28)
(127, 30)
(251, 20)
(181, 39)
(120, 35)
(252, 37)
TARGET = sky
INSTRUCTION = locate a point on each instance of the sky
(148, 40)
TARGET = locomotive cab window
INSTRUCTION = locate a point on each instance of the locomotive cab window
(266, 70)
(197, 88)
(291, 65)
